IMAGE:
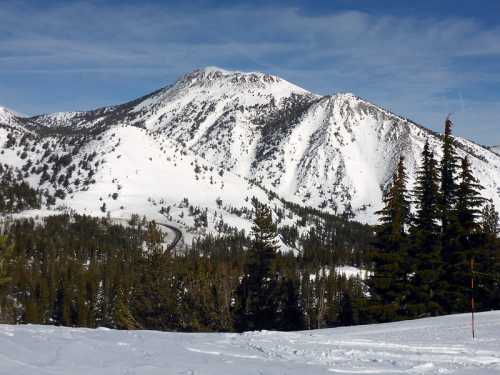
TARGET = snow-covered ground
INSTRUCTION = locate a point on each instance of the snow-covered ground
(350, 272)
(428, 346)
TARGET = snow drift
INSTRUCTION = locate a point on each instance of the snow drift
(428, 346)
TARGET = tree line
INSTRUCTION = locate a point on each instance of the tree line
(83, 271)
(429, 238)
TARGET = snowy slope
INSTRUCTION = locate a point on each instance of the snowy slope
(9, 117)
(6, 115)
(429, 346)
(336, 153)
(148, 174)
(126, 170)
(495, 149)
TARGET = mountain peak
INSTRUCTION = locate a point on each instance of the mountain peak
(7, 115)
(346, 95)
(335, 153)
(214, 74)
(5, 110)
(215, 69)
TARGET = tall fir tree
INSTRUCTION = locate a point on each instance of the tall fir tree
(449, 168)
(467, 242)
(448, 191)
(390, 284)
(290, 315)
(448, 198)
(469, 201)
(425, 249)
(6, 307)
(489, 287)
(256, 303)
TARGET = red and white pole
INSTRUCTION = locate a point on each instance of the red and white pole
(472, 304)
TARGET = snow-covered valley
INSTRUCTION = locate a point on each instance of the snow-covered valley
(440, 345)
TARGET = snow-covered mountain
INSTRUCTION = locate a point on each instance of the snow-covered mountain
(8, 116)
(426, 346)
(216, 138)
(495, 149)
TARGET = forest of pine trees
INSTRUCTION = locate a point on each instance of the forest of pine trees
(78, 270)
(429, 236)
(15, 194)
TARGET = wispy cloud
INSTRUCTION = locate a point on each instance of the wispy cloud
(422, 67)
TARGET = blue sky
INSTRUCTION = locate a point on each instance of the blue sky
(422, 59)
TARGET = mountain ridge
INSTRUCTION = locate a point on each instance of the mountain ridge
(335, 153)
(495, 149)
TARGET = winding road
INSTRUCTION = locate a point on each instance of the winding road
(177, 232)
(178, 235)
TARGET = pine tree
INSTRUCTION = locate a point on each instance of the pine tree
(425, 247)
(468, 239)
(290, 315)
(449, 221)
(5, 252)
(256, 294)
(426, 193)
(469, 200)
(264, 230)
(448, 191)
(488, 291)
(123, 316)
(346, 315)
(490, 219)
(390, 284)
(5, 302)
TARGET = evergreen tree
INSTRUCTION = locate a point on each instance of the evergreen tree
(490, 219)
(155, 301)
(390, 284)
(256, 294)
(448, 191)
(488, 295)
(290, 315)
(346, 315)
(264, 231)
(468, 240)
(469, 200)
(425, 250)
(5, 252)
(5, 279)
(449, 221)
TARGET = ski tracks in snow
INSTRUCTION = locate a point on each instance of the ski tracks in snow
(426, 346)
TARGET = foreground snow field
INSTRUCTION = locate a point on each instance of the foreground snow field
(428, 346)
